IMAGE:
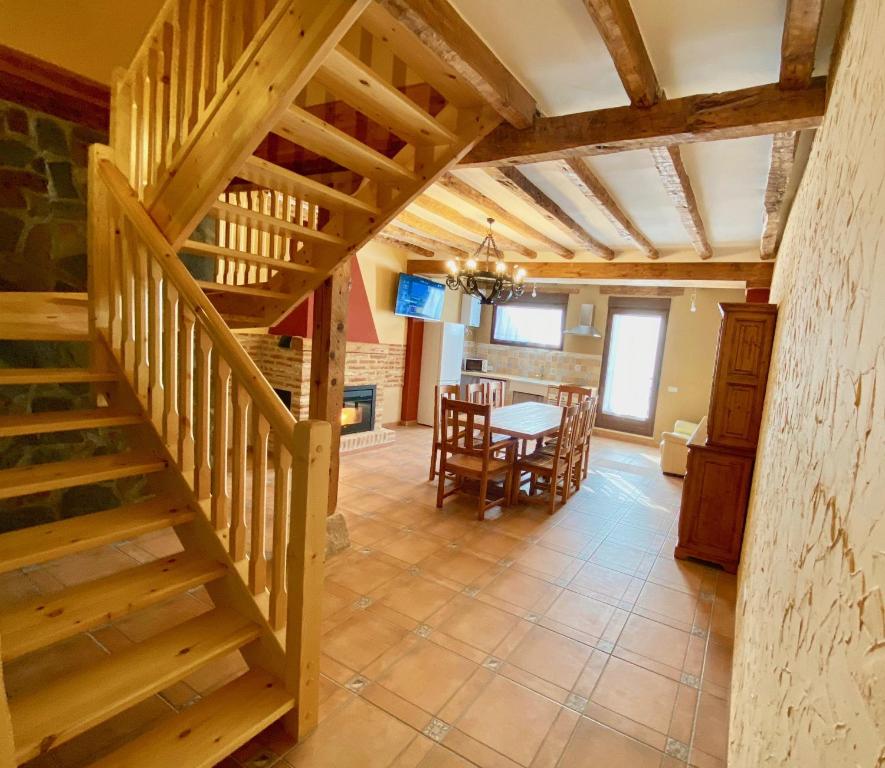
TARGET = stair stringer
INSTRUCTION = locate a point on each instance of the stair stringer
(268, 652)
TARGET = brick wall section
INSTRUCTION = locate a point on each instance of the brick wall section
(289, 369)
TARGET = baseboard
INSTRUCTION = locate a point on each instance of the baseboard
(626, 437)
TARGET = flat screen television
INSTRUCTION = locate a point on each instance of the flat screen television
(419, 297)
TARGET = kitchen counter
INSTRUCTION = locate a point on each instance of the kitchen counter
(511, 377)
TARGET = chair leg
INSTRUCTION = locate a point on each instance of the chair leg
(483, 489)
(433, 456)
(440, 488)
(551, 504)
(587, 460)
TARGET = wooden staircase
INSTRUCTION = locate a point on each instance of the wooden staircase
(300, 128)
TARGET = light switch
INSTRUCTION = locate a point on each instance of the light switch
(672, 389)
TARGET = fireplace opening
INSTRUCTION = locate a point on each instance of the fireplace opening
(362, 400)
(286, 396)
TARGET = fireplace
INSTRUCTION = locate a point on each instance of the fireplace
(362, 400)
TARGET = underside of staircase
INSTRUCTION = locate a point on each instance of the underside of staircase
(255, 147)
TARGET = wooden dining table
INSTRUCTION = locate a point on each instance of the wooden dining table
(526, 421)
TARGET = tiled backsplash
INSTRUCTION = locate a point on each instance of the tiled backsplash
(568, 367)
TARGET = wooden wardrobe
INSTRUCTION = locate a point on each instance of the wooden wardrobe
(722, 451)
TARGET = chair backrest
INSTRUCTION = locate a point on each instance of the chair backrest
(495, 390)
(568, 426)
(441, 391)
(476, 393)
(569, 394)
(586, 410)
(465, 428)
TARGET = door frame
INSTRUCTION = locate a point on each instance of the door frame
(648, 308)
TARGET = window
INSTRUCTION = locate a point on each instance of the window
(530, 322)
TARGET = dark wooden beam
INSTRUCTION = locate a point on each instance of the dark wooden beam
(799, 41)
(327, 356)
(578, 172)
(39, 85)
(442, 29)
(757, 273)
(514, 180)
(783, 156)
(755, 111)
(671, 169)
(617, 25)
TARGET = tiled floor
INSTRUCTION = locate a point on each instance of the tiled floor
(525, 640)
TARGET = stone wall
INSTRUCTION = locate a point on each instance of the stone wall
(568, 367)
(43, 163)
(809, 673)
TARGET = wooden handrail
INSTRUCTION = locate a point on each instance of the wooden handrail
(242, 366)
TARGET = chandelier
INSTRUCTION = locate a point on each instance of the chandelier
(492, 282)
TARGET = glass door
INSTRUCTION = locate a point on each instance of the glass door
(631, 364)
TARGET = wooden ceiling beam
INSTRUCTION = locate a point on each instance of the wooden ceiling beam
(514, 180)
(578, 172)
(409, 220)
(758, 273)
(783, 155)
(465, 222)
(442, 29)
(427, 243)
(755, 111)
(617, 25)
(404, 245)
(798, 45)
(490, 208)
(799, 42)
(668, 161)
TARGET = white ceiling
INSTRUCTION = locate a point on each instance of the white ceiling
(696, 46)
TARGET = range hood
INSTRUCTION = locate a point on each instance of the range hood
(585, 326)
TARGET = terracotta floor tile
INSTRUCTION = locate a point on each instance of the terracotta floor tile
(544, 561)
(677, 574)
(411, 547)
(654, 641)
(415, 596)
(87, 566)
(510, 719)
(367, 531)
(670, 602)
(427, 676)
(603, 581)
(583, 613)
(359, 734)
(636, 693)
(478, 624)
(519, 588)
(568, 541)
(462, 567)
(717, 669)
(440, 757)
(364, 574)
(711, 730)
(361, 639)
(495, 545)
(618, 557)
(594, 746)
(551, 656)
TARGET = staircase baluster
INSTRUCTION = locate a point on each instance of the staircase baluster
(238, 473)
(221, 418)
(186, 387)
(156, 396)
(202, 431)
(257, 554)
(170, 364)
(141, 258)
(281, 500)
(127, 310)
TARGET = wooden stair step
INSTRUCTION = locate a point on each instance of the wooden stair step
(43, 316)
(267, 174)
(253, 258)
(361, 87)
(243, 290)
(53, 376)
(36, 478)
(265, 223)
(71, 704)
(46, 619)
(326, 140)
(65, 421)
(204, 734)
(42, 543)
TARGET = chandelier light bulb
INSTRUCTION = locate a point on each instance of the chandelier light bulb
(451, 266)
(471, 265)
(500, 267)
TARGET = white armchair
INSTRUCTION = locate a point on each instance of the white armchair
(674, 447)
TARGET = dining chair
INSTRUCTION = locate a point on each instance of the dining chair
(569, 394)
(476, 393)
(467, 451)
(495, 392)
(591, 422)
(580, 449)
(551, 471)
(440, 391)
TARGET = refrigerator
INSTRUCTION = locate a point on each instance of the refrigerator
(442, 357)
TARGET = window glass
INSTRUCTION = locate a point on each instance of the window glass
(537, 326)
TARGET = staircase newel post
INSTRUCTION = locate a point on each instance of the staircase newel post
(305, 558)
(97, 224)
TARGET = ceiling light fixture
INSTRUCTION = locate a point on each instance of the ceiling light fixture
(485, 274)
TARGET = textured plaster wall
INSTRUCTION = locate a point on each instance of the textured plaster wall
(809, 673)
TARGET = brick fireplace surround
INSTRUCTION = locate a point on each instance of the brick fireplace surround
(289, 369)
